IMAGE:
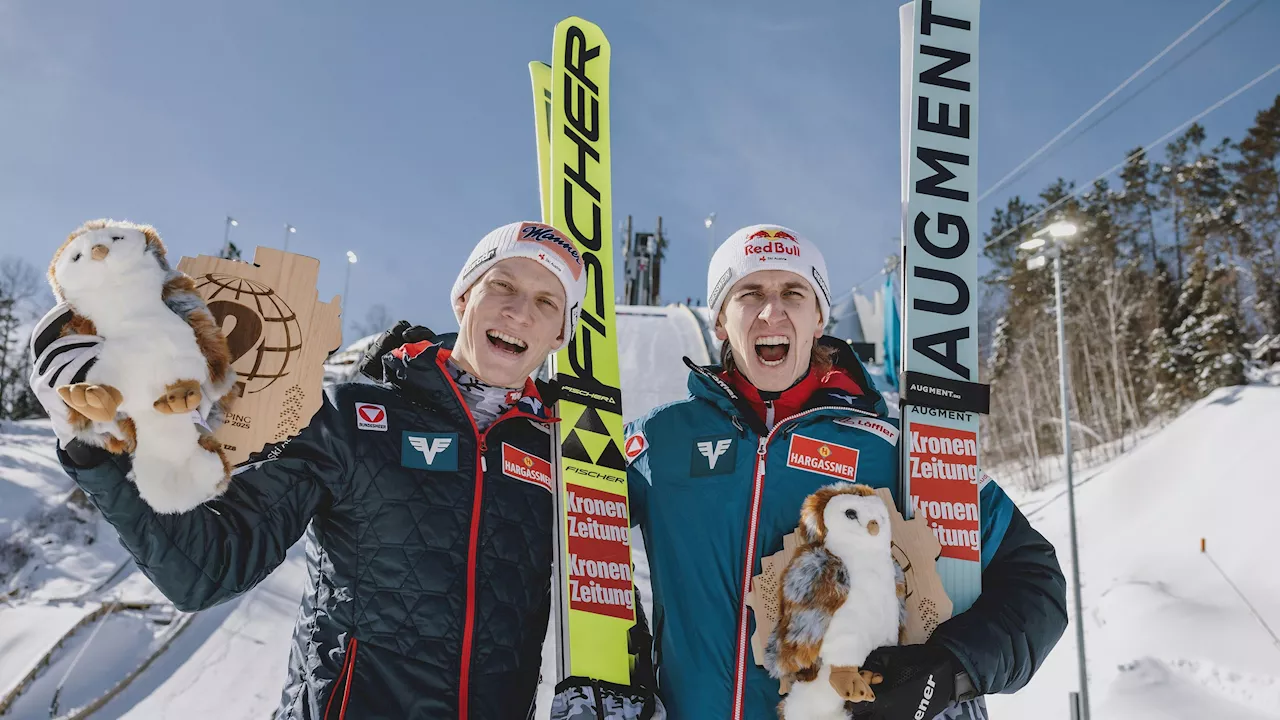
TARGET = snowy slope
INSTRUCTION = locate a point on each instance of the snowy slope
(230, 662)
(652, 342)
(1166, 637)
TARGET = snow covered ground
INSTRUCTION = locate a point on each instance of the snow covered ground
(1166, 635)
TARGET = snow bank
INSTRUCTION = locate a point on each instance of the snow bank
(1165, 634)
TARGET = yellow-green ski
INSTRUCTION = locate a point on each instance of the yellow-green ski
(597, 605)
(540, 74)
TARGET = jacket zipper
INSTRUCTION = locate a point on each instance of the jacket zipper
(468, 627)
(757, 491)
(740, 669)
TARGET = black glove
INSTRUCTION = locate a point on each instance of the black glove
(401, 334)
(919, 682)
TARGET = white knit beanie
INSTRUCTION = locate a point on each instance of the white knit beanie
(766, 247)
(538, 242)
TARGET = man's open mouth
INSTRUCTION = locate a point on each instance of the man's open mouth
(505, 342)
(772, 350)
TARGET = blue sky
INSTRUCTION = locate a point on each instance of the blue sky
(403, 130)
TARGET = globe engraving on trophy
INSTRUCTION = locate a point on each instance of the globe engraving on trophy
(262, 331)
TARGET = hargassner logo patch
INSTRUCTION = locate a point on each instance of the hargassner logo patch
(712, 455)
(824, 458)
(371, 417)
(429, 451)
(520, 465)
(880, 428)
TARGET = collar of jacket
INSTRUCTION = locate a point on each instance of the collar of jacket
(417, 370)
(740, 400)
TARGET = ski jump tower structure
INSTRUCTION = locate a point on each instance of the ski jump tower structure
(642, 278)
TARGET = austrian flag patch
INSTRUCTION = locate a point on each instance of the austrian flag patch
(520, 465)
(371, 417)
(824, 458)
(634, 445)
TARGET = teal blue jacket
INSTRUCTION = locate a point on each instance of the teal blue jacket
(692, 479)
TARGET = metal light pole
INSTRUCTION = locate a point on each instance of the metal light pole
(711, 237)
(346, 283)
(226, 233)
(288, 230)
(1058, 233)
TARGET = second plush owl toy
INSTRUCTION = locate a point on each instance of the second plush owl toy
(839, 599)
(163, 372)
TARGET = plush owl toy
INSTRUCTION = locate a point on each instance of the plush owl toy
(163, 376)
(840, 597)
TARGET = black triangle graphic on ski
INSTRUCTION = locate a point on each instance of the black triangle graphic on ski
(591, 422)
(611, 457)
(572, 448)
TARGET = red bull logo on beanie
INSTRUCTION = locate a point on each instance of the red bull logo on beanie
(552, 240)
(771, 242)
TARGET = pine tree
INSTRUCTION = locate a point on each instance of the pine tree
(1168, 366)
(1208, 343)
(1176, 189)
(19, 290)
(1255, 192)
(1136, 203)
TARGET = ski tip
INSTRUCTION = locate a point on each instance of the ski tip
(574, 20)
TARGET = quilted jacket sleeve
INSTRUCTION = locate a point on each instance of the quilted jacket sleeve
(1022, 612)
(226, 546)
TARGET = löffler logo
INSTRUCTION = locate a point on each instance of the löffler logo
(771, 242)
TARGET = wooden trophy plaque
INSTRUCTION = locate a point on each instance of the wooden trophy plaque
(279, 334)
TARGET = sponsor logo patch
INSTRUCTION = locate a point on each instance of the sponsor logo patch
(371, 417)
(720, 286)
(712, 456)
(824, 458)
(599, 545)
(822, 284)
(943, 463)
(634, 445)
(520, 465)
(880, 428)
(771, 242)
(429, 451)
(551, 240)
(482, 259)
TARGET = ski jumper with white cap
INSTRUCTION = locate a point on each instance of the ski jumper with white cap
(714, 491)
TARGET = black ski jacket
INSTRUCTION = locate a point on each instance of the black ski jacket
(429, 545)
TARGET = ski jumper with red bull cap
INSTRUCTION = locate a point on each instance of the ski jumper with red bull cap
(714, 491)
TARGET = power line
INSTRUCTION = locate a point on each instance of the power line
(1147, 148)
(1014, 172)
(1162, 74)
